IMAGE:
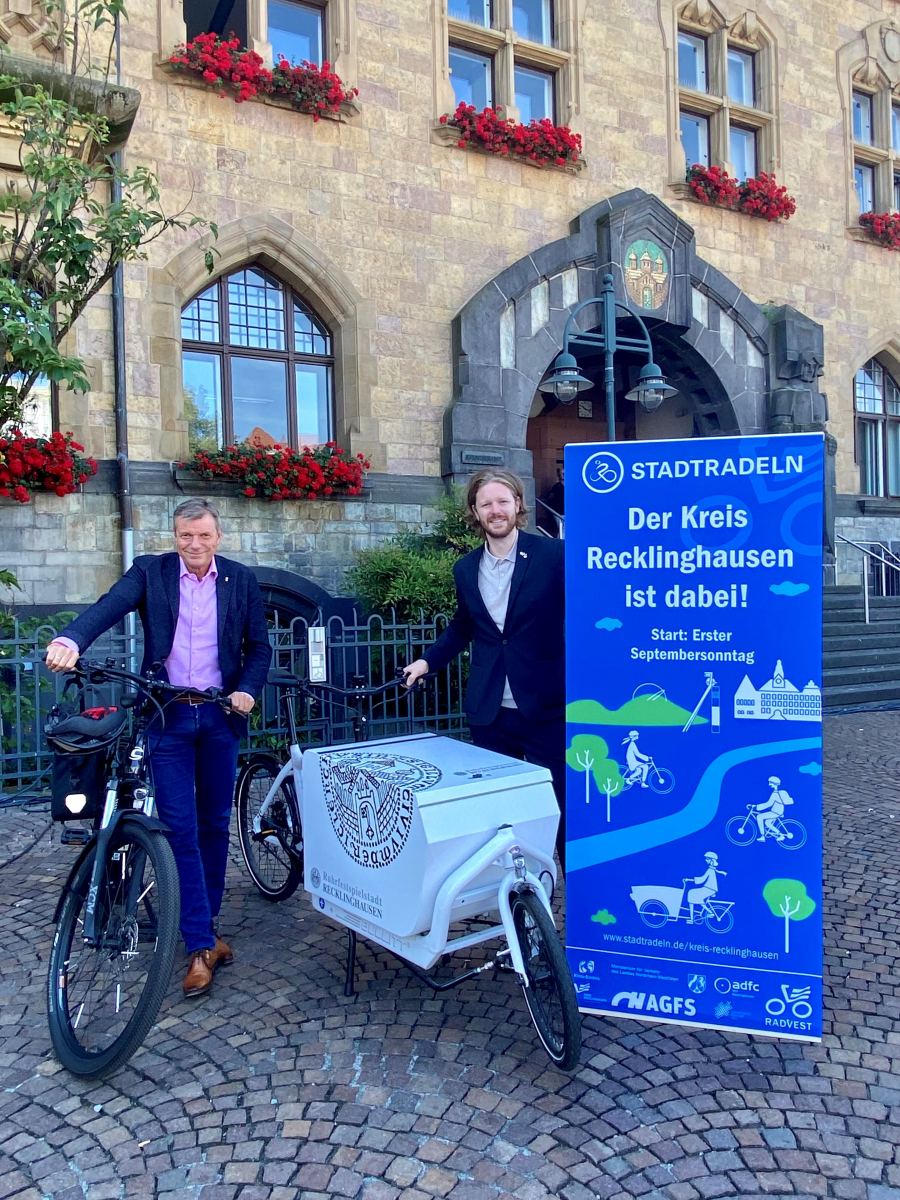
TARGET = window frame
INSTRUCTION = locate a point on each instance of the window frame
(702, 41)
(225, 350)
(492, 68)
(754, 135)
(509, 51)
(863, 167)
(881, 422)
(322, 6)
(880, 154)
(685, 112)
(747, 38)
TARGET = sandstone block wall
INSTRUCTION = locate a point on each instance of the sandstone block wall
(418, 227)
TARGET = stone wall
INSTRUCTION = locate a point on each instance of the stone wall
(414, 227)
(66, 550)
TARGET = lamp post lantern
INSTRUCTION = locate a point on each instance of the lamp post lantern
(565, 380)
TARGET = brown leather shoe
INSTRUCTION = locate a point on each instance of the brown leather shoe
(223, 955)
(199, 977)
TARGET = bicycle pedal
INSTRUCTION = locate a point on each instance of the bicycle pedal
(75, 837)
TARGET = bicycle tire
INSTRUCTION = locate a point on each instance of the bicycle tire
(70, 973)
(653, 913)
(272, 868)
(733, 827)
(799, 835)
(664, 780)
(545, 963)
(719, 922)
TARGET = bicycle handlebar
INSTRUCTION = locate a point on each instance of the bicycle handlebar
(97, 673)
(276, 679)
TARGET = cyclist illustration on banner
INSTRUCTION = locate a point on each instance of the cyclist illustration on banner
(637, 762)
(656, 905)
(768, 814)
(767, 822)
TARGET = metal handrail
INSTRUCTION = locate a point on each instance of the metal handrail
(561, 521)
(862, 547)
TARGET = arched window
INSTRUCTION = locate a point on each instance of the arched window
(258, 365)
(877, 399)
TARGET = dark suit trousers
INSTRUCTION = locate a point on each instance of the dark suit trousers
(543, 744)
(193, 762)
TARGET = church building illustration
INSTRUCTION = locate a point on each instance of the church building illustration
(778, 700)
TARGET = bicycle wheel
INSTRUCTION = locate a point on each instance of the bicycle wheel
(741, 831)
(654, 913)
(661, 780)
(550, 994)
(797, 838)
(718, 921)
(271, 842)
(103, 999)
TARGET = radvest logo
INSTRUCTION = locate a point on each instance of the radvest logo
(648, 1002)
(603, 472)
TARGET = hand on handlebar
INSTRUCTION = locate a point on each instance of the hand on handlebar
(241, 702)
(60, 657)
(414, 672)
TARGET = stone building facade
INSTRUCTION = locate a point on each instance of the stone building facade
(443, 276)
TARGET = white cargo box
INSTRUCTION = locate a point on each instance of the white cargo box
(386, 823)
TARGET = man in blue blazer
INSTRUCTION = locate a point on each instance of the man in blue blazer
(510, 598)
(203, 620)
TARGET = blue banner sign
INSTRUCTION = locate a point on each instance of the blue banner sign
(694, 735)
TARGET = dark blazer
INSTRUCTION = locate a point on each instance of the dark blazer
(151, 588)
(531, 649)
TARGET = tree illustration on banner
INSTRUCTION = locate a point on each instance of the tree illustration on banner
(590, 754)
(787, 898)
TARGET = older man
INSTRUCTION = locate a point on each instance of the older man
(203, 619)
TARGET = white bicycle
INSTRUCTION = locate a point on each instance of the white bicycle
(396, 843)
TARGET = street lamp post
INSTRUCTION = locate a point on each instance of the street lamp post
(566, 381)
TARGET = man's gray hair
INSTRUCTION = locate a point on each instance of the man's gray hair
(191, 510)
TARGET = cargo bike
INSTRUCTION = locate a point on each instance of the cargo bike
(411, 842)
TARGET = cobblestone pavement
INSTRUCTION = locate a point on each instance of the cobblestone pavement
(276, 1087)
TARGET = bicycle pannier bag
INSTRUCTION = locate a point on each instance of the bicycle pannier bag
(78, 786)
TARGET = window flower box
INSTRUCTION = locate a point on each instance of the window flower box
(276, 473)
(225, 65)
(883, 228)
(540, 143)
(37, 464)
(759, 196)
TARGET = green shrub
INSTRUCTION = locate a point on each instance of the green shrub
(412, 573)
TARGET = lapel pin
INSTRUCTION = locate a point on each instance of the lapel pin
(522, 554)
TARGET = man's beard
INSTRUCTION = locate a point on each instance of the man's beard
(497, 530)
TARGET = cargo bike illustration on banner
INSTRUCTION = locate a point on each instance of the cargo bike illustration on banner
(408, 842)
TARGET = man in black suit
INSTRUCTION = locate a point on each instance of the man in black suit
(510, 598)
(203, 619)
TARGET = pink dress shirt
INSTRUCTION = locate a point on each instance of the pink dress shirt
(194, 658)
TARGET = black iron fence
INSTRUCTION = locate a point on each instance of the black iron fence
(367, 652)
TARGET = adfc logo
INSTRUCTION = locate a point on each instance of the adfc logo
(603, 472)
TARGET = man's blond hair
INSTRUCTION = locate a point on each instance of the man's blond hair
(495, 475)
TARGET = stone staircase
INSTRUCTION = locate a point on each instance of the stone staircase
(861, 663)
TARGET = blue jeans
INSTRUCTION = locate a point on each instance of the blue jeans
(193, 763)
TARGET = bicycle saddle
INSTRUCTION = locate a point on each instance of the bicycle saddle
(86, 732)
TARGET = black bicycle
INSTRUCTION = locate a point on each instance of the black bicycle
(117, 917)
(270, 829)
